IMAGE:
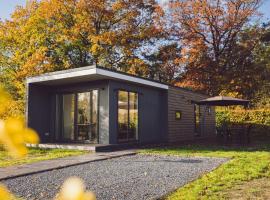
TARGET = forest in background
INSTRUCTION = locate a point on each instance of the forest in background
(218, 47)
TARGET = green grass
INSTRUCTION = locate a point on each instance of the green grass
(246, 164)
(36, 155)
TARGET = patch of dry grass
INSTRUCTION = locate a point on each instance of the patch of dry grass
(258, 189)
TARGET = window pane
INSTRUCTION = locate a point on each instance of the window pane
(94, 116)
(68, 116)
(83, 116)
(122, 115)
(133, 116)
(94, 106)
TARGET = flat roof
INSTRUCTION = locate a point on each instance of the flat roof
(90, 73)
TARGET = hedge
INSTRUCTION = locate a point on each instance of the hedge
(260, 118)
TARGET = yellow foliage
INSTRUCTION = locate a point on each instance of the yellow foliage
(231, 94)
(4, 97)
(14, 135)
(95, 49)
(12, 108)
(74, 189)
(259, 118)
(49, 35)
(138, 66)
(5, 194)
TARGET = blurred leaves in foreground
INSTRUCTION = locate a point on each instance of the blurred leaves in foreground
(13, 136)
(13, 132)
(74, 189)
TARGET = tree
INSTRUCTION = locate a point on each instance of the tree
(165, 64)
(212, 37)
(262, 52)
(51, 35)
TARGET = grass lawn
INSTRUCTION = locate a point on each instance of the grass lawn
(248, 167)
(35, 155)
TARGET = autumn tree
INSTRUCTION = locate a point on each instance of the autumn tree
(51, 35)
(164, 64)
(262, 95)
(215, 49)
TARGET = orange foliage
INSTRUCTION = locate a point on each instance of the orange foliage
(51, 35)
(209, 32)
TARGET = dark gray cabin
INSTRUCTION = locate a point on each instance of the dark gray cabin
(94, 105)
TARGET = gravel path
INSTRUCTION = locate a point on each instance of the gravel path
(127, 177)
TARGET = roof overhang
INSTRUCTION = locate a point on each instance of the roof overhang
(90, 73)
(223, 101)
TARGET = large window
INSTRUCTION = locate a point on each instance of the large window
(80, 116)
(127, 116)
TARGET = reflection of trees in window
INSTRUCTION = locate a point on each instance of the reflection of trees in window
(197, 113)
(68, 116)
(87, 115)
(127, 115)
(133, 115)
(83, 107)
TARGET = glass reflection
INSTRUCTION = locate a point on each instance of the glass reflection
(133, 116)
(122, 115)
(127, 116)
(80, 117)
(83, 117)
(68, 116)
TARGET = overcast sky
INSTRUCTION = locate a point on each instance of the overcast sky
(8, 6)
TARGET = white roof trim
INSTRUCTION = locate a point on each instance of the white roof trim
(51, 77)
(96, 71)
(125, 77)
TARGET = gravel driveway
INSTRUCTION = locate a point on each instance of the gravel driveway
(127, 177)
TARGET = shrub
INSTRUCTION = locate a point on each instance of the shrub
(259, 119)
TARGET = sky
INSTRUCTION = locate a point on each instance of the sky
(8, 6)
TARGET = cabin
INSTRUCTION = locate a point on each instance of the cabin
(97, 106)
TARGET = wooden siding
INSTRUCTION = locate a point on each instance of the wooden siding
(184, 129)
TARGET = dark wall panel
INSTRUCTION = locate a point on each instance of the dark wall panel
(152, 112)
(41, 108)
(184, 129)
(38, 110)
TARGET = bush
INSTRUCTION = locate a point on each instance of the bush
(259, 119)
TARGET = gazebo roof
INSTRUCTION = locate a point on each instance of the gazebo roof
(223, 101)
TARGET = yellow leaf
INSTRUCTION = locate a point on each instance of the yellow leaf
(14, 135)
(74, 189)
(4, 194)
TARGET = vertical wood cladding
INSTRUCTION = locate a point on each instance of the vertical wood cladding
(184, 129)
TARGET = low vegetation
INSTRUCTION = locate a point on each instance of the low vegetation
(36, 155)
(246, 164)
(258, 189)
(258, 118)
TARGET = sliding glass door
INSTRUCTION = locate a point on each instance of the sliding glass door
(127, 116)
(87, 116)
(80, 117)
